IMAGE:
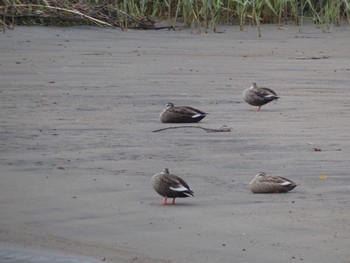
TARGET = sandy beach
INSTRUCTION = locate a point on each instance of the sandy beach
(78, 107)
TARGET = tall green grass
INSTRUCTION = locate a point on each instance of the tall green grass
(203, 14)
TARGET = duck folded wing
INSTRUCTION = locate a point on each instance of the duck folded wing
(195, 110)
(283, 180)
(177, 184)
(266, 93)
(182, 189)
(274, 179)
(187, 111)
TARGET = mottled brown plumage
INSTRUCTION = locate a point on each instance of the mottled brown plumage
(259, 96)
(263, 183)
(170, 186)
(181, 114)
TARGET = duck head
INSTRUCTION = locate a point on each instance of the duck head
(253, 86)
(260, 175)
(169, 105)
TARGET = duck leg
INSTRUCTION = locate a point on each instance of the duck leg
(166, 201)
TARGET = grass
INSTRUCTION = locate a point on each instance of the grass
(202, 14)
(257, 9)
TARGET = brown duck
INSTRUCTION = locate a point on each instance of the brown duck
(181, 114)
(259, 96)
(263, 183)
(170, 186)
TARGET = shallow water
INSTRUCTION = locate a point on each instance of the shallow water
(23, 255)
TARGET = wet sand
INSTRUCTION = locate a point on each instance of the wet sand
(17, 254)
(78, 107)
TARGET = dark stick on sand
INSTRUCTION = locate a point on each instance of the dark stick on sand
(224, 128)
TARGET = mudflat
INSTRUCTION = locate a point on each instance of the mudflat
(78, 109)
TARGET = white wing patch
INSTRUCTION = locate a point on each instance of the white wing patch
(196, 116)
(179, 189)
(286, 183)
(270, 96)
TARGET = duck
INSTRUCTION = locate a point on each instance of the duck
(181, 114)
(259, 96)
(263, 183)
(170, 186)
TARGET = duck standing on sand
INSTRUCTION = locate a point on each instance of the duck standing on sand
(263, 183)
(259, 96)
(170, 186)
(181, 114)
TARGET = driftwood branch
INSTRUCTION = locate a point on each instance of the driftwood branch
(312, 57)
(76, 13)
(72, 11)
(224, 128)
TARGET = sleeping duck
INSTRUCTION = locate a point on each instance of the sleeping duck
(181, 114)
(263, 183)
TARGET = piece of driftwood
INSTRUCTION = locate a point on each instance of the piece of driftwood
(312, 57)
(224, 128)
(152, 27)
(72, 11)
(76, 13)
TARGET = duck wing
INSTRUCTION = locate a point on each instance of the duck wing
(265, 93)
(177, 184)
(195, 110)
(186, 111)
(278, 180)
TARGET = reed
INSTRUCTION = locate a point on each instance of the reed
(207, 14)
(242, 7)
(293, 8)
(168, 4)
(187, 9)
(215, 11)
(325, 13)
(330, 15)
(346, 8)
(228, 14)
(280, 7)
(303, 3)
(257, 7)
